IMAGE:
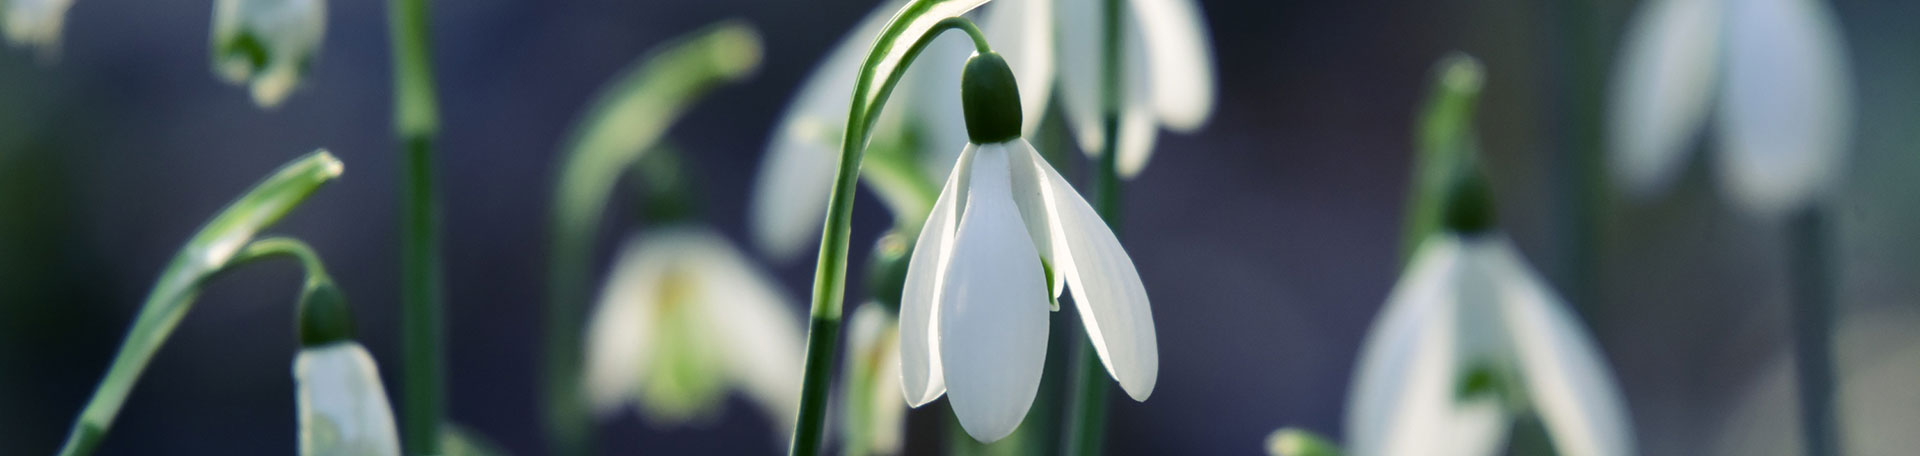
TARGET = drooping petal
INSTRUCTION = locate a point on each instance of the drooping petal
(267, 44)
(1661, 90)
(1785, 107)
(921, 377)
(790, 193)
(35, 23)
(621, 336)
(1022, 32)
(1106, 289)
(1079, 35)
(1566, 377)
(993, 309)
(1179, 58)
(343, 409)
(757, 333)
(1030, 195)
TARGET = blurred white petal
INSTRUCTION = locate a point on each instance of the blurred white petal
(1106, 287)
(343, 409)
(1022, 32)
(267, 44)
(1661, 90)
(1079, 35)
(1786, 107)
(756, 331)
(35, 23)
(921, 374)
(620, 336)
(1179, 57)
(1403, 400)
(993, 309)
(1569, 384)
(873, 409)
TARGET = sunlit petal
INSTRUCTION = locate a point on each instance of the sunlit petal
(1179, 58)
(1786, 107)
(921, 377)
(1106, 289)
(993, 309)
(1661, 90)
(1030, 195)
(621, 335)
(343, 409)
(1402, 387)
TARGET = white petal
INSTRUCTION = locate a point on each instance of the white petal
(1022, 32)
(993, 309)
(1786, 108)
(921, 377)
(1179, 55)
(1566, 377)
(790, 194)
(288, 33)
(343, 409)
(1030, 195)
(620, 337)
(755, 329)
(35, 23)
(1106, 288)
(1079, 35)
(1660, 91)
(1402, 399)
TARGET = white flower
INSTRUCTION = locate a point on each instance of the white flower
(343, 409)
(790, 194)
(1167, 70)
(1778, 72)
(975, 306)
(267, 44)
(683, 318)
(1468, 335)
(34, 23)
(874, 415)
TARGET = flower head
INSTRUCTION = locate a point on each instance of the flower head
(1007, 234)
(267, 44)
(683, 318)
(34, 23)
(1166, 73)
(1775, 69)
(343, 409)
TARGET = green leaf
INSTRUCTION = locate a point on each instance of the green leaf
(208, 252)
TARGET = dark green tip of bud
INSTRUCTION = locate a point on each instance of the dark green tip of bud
(1469, 205)
(887, 269)
(324, 317)
(991, 99)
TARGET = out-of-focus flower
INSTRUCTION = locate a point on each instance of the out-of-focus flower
(1166, 70)
(267, 44)
(1774, 73)
(684, 318)
(1469, 338)
(1007, 234)
(1877, 354)
(34, 23)
(343, 408)
(873, 412)
(790, 194)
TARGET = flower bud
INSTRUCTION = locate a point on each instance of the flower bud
(990, 98)
(324, 317)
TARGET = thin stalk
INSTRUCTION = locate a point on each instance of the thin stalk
(1086, 427)
(829, 277)
(1580, 185)
(416, 121)
(1810, 261)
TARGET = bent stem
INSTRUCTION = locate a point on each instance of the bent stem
(628, 118)
(211, 250)
(417, 122)
(829, 279)
(1810, 258)
(1087, 403)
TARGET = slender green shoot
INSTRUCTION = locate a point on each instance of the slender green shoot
(417, 122)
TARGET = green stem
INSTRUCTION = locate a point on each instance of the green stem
(211, 250)
(416, 120)
(1086, 427)
(283, 246)
(1810, 259)
(1581, 183)
(829, 279)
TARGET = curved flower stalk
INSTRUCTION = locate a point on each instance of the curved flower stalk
(1007, 235)
(1774, 75)
(34, 23)
(873, 414)
(268, 45)
(216, 247)
(910, 144)
(1166, 72)
(1470, 339)
(685, 317)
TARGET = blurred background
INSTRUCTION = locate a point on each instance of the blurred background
(1268, 240)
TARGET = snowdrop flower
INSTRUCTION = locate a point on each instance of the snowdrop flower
(874, 414)
(34, 23)
(1774, 73)
(1167, 72)
(790, 194)
(683, 318)
(1470, 337)
(1006, 235)
(343, 409)
(267, 44)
